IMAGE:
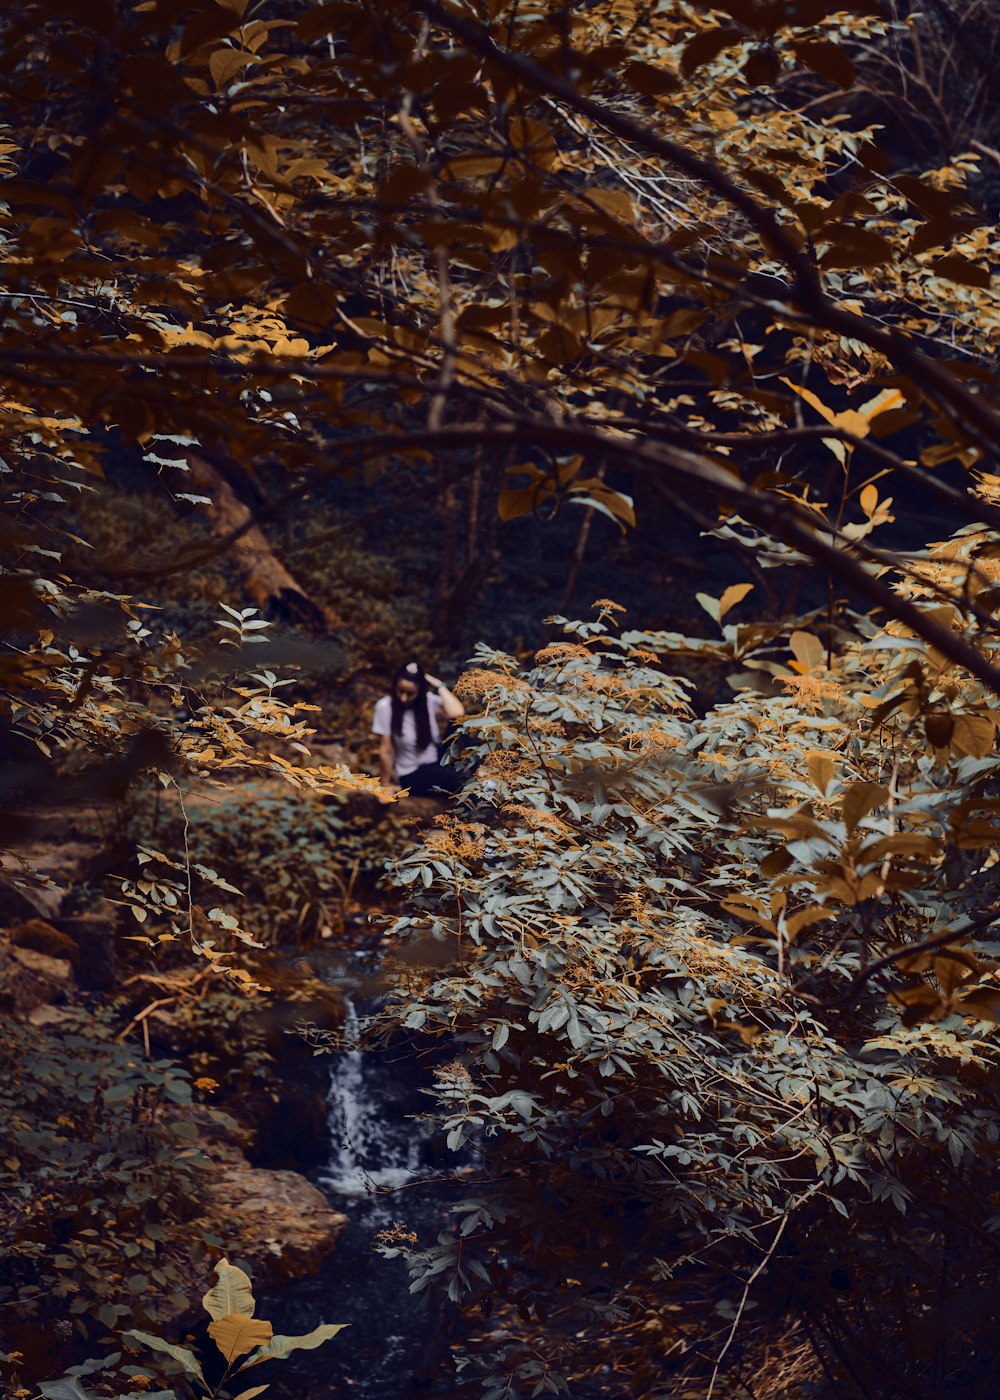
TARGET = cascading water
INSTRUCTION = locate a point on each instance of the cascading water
(378, 1172)
(374, 1142)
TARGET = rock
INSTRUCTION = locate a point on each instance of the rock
(23, 900)
(94, 936)
(29, 979)
(43, 938)
(276, 1220)
(57, 970)
(220, 1137)
(46, 1015)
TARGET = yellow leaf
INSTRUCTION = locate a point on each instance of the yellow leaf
(869, 499)
(821, 767)
(811, 399)
(235, 1335)
(851, 421)
(888, 398)
(733, 595)
(807, 650)
(855, 421)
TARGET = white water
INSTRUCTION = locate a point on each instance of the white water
(372, 1143)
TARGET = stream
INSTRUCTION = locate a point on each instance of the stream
(379, 1171)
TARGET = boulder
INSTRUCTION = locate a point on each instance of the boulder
(55, 970)
(29, 979)
(43, 938)
(275, 1220)
(93, 934)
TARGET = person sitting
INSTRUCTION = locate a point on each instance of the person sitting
(407, 723)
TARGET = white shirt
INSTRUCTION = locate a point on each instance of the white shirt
(409, 755)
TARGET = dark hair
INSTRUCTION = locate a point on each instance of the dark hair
(412, 672)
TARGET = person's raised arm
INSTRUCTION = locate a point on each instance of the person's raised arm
(450, 704)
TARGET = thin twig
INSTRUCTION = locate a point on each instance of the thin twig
(743, 1302)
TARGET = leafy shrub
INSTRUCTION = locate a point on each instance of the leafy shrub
(296, 859)
(242, 1342)
(284, 861)
(718, 990)
(98, 1173)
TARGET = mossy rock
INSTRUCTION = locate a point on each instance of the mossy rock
(41, 937)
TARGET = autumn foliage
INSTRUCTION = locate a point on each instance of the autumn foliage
(718, 972)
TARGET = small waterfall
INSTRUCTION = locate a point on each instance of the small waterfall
(378, 1142)
(373, 1139)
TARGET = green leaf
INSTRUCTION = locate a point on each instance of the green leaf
(186, 1358)
(280, 1347)
(67, 1388)
(232, 1293)
(99, 1363)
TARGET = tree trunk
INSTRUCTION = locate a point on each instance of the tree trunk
(268, 582)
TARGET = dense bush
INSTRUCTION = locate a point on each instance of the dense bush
(292, 863)
(719, 991)
(98, 1174)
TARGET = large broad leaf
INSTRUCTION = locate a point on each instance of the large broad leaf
(237, 1334)
(66, 1388)
(279, 1347)
(232, 1293)
(186, 1358)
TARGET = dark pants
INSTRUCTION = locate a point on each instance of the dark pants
(431, 780)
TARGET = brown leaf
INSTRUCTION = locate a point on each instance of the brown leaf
(939, 728)
(954, 268)
(973, 735)
(805, 918)
(826, 59)
(859, 800)
(226, 63)
(534, 141)
(650, 79)
(937, 203)
(937, 231)
(761, 67)
(853, 246)
(235, 1335)
(984, 1005)
(708, 45)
